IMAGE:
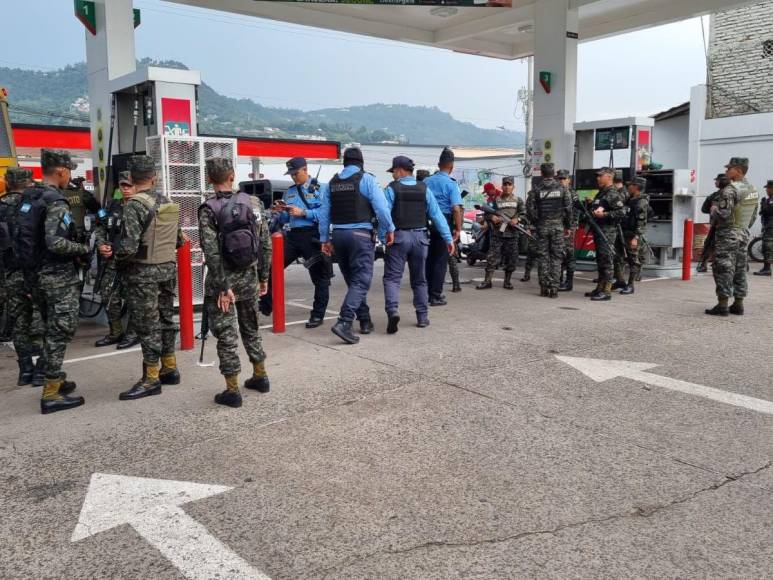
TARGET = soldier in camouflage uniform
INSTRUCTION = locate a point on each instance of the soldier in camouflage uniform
(111, 290)
(608, 208)
(231, 294)
(732, 214)
(633, 226)
(504, 244)
(18, 303)
(569, 261)
(766, 215)
(549, 208)
(528, 247)
(146, 261)
(720, 182)
(55, 285)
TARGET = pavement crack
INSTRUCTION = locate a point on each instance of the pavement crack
(644, 512)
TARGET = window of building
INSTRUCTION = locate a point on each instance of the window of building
(615, 138)
(767, 49)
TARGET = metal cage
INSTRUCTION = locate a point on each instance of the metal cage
(182, 176)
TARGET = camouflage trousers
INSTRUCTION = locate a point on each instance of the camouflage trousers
(604, 253)
(23, 317)
(59, 309)
(550, 254)
(113, 294)
(502, 252)
(453, 268)
(633, 258)
(152, 309)
(569, 261)
(767, 245)
(241, 319)
(528, 248)
(730, 263)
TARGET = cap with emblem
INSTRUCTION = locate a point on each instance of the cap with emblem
(218, 168)
(639, 182)
(17, 176)
(141, 167)
(562, 174)
(508, 180)
(124, 178)
(401, 162)
(738, 162)
(294, 165)
(606, 171)
(446, 156)
(53, 158)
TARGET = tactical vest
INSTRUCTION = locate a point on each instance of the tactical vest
(409, 211)
(9, 210)
(77, 210)
(550, 204)
(111, 219)
(745, 210)
(29, 244)
(638, 211)
(508, 207)
(604, 199)
(766, 212)
(347, 204)
(158, 244)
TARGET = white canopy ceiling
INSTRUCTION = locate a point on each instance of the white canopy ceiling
(498, 32)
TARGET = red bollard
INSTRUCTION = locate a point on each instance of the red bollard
(278, 281)
(687, 250)
(185, 295)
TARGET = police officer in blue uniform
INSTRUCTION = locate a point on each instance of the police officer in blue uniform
(349, 203)
(449, 198)
(298, 208)
(411, 203)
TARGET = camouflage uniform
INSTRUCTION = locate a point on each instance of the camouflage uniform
(766, 215)
(569, 261)
(504, 245)
(243, 315)
(633, 226)
(732, 236)
(612, 202)
(550, 208)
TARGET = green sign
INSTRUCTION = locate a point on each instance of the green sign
(85, 11)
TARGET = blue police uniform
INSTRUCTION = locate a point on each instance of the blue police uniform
(448, 195)
(411, 245)
(302, 241)
(353, 241)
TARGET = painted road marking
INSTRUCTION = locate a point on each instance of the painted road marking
(603, 370)
(152, 508)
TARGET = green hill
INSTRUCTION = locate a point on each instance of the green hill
(59, 98)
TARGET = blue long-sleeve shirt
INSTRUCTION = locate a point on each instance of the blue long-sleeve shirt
(446, 191)
(292, 197)
(433, 210)
(370, 190)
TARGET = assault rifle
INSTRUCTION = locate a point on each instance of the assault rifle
(488, 210)
(594, 226)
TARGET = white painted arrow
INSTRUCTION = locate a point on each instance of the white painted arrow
(603, 370)
(152, 508)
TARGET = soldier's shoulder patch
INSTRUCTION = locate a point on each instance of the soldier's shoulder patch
(722, 203)
(67, 219)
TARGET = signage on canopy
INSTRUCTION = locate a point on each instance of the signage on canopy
(449, 3)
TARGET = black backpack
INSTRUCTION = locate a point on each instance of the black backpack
(29, 242)
(238, 229)
(8, 213)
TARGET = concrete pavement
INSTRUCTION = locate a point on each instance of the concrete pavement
(464, 450)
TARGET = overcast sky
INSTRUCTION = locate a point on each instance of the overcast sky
(285, 65)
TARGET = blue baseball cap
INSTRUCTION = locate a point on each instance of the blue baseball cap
(294, 164)
(401, 162)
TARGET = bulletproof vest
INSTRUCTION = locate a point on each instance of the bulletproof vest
(237, 217)
(766, 212)
(158, 244)
(508, 206)
(77, 210)
(347, 204)
(605, 199)
(9, 209)
(745, 210)
(30, 239)
(638, 211)
(409, 211)
(550, 200)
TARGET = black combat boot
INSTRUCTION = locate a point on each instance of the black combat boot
(393, 319)
(508, 285)
(259, 379)
(455, 287)
(314, 321)
(526, 275)
(618, 284)
(54, 399)
(568, 284)
(629, 289)
(736, 307)
(39, 374)
(604, 294)
(765, 270)
(108, 340)
(26, 368)
(702, 267)
(366, 326)
(231, 397)
(129, 340)
(169, 373)
(147, 386)
(720, 309)
(595, 291)
(552, 292)
(486, 284)
(343, 330)
(543, 291)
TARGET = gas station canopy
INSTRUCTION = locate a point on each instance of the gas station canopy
(506, 33)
